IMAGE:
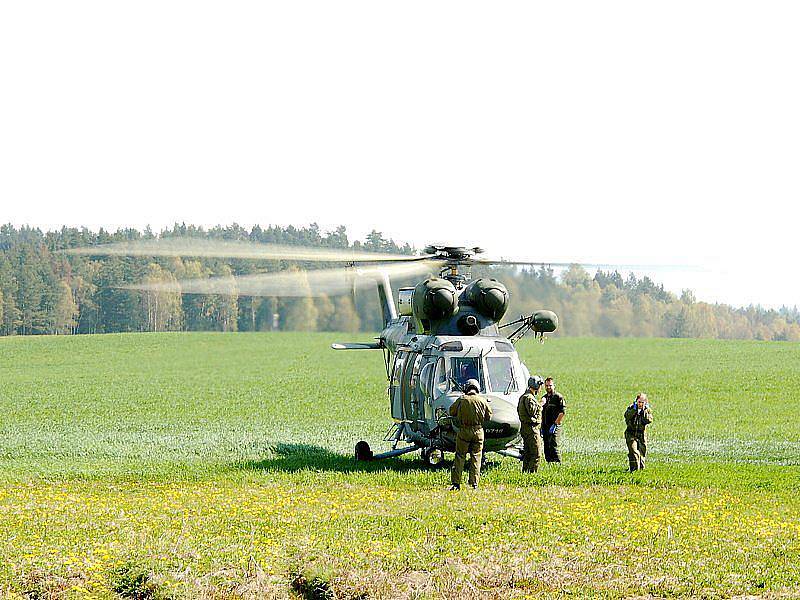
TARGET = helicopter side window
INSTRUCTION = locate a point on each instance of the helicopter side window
(464, 368)
(502, 378)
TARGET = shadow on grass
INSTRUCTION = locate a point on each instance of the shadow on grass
(290, 458)
(293, 458)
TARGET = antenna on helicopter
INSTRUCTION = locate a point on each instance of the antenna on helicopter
(540, 322)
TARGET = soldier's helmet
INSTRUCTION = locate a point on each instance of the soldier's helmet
(472, 384)
(535, 382)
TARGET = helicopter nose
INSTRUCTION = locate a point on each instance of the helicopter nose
(504, 422)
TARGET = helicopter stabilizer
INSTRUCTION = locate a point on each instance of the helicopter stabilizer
(356, 346)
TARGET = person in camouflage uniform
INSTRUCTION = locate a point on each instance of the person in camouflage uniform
(529, 410)
(470, 411)
(637, 417)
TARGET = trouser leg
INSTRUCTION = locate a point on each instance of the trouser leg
(526, 450)
(551, 452)
(642, 446)
(475, 457)
(458, 462)
(530, 450)
(536, 451)
(634, 461)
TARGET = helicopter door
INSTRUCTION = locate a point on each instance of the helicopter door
(440, 381)
(395, 396)
(422, 391)
(408, 390)
(425, 387)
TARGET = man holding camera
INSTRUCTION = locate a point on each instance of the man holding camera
(637, 417)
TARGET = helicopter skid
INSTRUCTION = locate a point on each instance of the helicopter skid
(364, 453)
(395, 452)
(512, 452)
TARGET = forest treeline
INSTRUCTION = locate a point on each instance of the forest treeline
(46, 291)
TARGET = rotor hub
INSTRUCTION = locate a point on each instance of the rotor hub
(454, 257)
(453, 253)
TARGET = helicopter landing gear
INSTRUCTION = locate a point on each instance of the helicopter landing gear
(433, 457)
(363, 451)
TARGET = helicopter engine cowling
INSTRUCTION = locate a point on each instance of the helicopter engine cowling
(545, 321)
(489, 297)
(434, 299)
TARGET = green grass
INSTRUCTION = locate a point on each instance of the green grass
(220, 466)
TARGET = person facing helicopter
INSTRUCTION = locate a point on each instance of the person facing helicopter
(529, 409)
(470, 411)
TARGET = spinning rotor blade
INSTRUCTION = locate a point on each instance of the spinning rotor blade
(231, 249)
(318, 282)
(487, 261)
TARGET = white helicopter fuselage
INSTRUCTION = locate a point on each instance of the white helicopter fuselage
(445, 334)
(427, 374)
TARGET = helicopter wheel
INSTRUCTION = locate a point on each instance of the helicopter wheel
(433, 457)
(363, 451)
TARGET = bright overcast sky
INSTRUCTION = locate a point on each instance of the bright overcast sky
(632, 132)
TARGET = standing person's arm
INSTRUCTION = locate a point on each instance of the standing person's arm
(563, 407)
(536, 416)
(454, 408)
(488, 411)
(522, 411)
(647, 416)
(630, 414)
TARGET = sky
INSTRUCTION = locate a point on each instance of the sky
(615, 132)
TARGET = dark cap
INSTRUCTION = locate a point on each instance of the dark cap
(535, 382)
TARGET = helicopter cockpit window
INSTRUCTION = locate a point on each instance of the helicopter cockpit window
(454, 346)
(464, 368)
(502, 378)
(504, 346)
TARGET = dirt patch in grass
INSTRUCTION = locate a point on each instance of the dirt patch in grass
(41, 585)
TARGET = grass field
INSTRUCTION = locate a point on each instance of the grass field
(213, 465)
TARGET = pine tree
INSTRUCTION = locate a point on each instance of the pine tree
(8, 286)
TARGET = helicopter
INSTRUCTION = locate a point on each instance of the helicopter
(445, 332)
(440, 333)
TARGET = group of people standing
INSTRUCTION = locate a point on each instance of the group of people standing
(540, 422)
(540, 419)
